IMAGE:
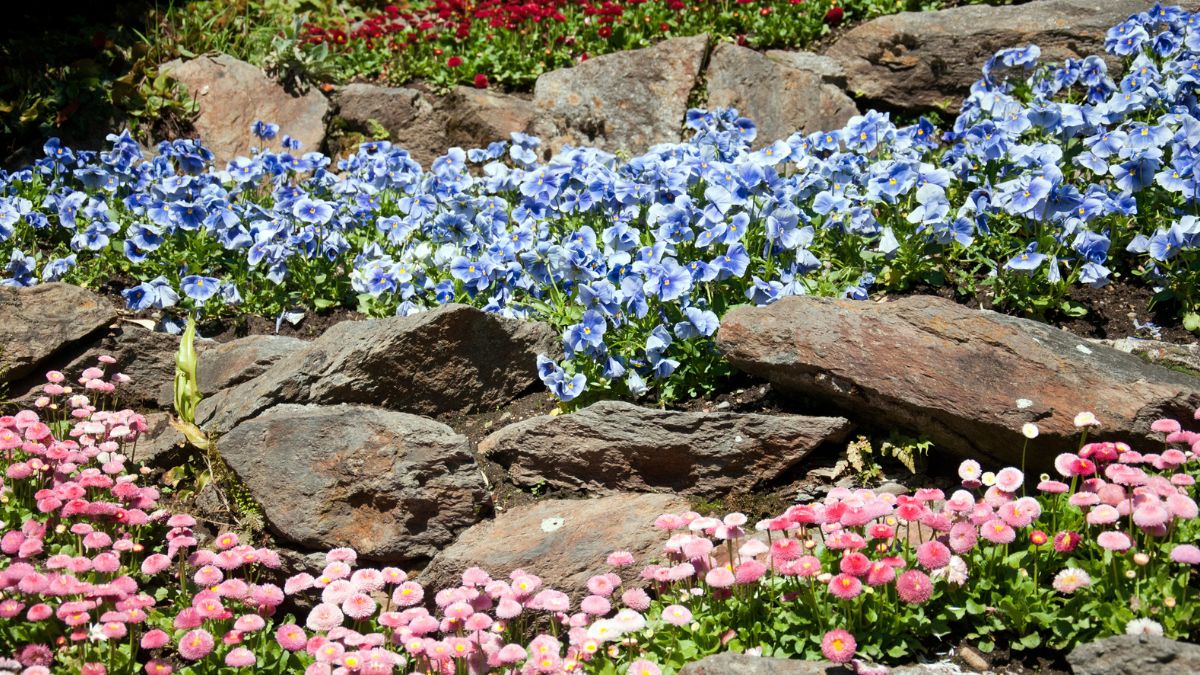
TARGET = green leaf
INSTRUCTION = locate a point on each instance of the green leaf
(1072, 308)
(1191, 321)
(1031, 641)
(897, 651)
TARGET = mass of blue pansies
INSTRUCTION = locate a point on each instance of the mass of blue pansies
(1052, 175)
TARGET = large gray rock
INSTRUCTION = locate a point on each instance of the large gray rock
(232, 363)
(563, 541)
(161, 446)
(477, 117)
(410, 116)
(454, 359)
(729, 663)
(783, 92)
(924, 60)
(626, 100)
(394, 486)
(38, 323)
(616, 446)
(966, 379)
(428, 125)
(1135, 655)
(1182, 357)
(232, 94)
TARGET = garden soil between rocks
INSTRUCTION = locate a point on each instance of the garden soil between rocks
(1111, 314)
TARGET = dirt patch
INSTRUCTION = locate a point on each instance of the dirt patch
(311, 327)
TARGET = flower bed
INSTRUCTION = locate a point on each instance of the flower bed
(511, 43)
(1066, 177)
(96, 577)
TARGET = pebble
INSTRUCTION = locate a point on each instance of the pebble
(973, 659)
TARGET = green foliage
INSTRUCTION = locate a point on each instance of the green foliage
(864, 458)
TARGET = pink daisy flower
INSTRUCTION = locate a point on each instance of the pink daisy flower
(855, 564)
(914, 587)
(291, 637)
(933, 555)
(240, 657)
(677, 615)
(997, 532)
(719, 577)
(845, 586)
(1114, 541)
(644, 667)
(1186, 554)
(838, 646)
(880, 574)
(196, 644)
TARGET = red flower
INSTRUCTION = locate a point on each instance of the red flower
(605, 32)
(454, 61)
(481, 81)
(834, 16)
(664, 26)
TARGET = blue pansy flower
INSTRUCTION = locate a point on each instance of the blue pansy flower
(1026, 261)
(200, 288)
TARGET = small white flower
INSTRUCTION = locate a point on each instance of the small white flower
(552, 524)
(1144, 627)
(1086, 419)
(969, 470)
(1023, 403)
(1030, 430)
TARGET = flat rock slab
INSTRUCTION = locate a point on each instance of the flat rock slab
(729, 663)
(614, 446)
(233, 94)
(928, 60)
(454, 359)
(38, 322)
(232, 363)
(1135, 655)
(783, 92)
(427, 125)
(966, 379)
(161, 446)
(627, 100)
(1184, 358)
(563, 541)
(395, 487)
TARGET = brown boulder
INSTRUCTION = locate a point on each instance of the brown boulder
(626, 100)
(926, 60)
(563, 541)
(783, 92)
(966, 379)
(614, 446)
(232, 363)
(393, 486)
(233, 94)
(410, 116)
(454, 359)
(41, 323)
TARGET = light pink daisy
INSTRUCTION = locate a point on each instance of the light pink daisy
(1070, 580)
(1113, 540)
